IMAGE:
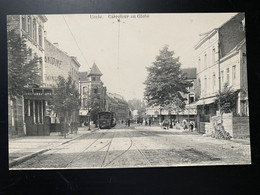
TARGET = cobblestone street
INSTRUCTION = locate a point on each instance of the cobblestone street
(141, 146)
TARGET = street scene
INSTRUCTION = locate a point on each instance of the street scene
(90, 91)
(124, 147)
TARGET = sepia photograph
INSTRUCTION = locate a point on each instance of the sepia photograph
(127, 90)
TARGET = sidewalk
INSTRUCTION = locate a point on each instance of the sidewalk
(24, 148)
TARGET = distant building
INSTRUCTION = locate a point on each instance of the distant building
(94, 97)
(190, 111)
(91, 90)
(117, 104)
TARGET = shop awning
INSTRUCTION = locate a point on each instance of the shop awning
(205, 101)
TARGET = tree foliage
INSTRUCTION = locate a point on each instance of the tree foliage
(23, 66)
(166, 82)
(95, 106)
(65, 98)
(227, 99)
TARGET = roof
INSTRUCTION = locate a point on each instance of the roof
(95, 70)
(205, 101)
(234, 50)
(83, 76)
(210, 33)
(190, 73)
(75, 60)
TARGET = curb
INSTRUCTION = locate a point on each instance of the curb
(28, 156)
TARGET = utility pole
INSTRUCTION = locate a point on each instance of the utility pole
(89, 101)
(118, 55)
(219, 78)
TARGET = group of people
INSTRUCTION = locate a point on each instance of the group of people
(190, 126)
(146, 122)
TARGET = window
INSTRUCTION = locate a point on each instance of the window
(205, 60)
(222, 76)
(213, 56)
(244, 58)
(205, 84)
(228, 76)
(24, 23)
(234, 72)
(34, 30)
(214, 79)
(40, 35)
(199, 64)
(29, 23)
(95, 91)
(93, 78)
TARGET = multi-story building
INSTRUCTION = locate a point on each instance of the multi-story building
(94, 97)
(30, 107)
(117, 104)
(59, 63)
(92, 93)
(29, 114)
(221, 59)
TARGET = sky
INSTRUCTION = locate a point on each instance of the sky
(123, 49)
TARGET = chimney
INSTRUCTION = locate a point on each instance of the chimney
(56, 44)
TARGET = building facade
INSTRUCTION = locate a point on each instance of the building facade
(221, 60)
(59, 63)
(92, 94)
(118, 105)
(95, 98)
(31, 28)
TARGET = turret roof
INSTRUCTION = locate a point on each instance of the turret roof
(95, 70)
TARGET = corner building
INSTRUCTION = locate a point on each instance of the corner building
(221, 59)
(26, 114)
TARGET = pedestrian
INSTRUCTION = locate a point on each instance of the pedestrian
(128, 122)
(191, 126)
(150, 122)
(184, 124)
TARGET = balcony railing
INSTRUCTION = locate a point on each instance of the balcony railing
(38, 93)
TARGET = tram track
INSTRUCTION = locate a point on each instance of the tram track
(56, 149)
(125, 151)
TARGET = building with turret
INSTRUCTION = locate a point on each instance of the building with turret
(92, 93)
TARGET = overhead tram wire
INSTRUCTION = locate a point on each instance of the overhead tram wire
(75, 41)
(118, 49)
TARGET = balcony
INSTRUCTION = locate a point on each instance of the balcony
(38, 93)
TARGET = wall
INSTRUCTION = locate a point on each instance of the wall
(227, 123)
(241, 127)
(231, 33)
(237, 127)
(58, 63)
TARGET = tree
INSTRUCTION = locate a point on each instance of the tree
(165, 83)
(65, 99)
(95, 106)
(23, 67)
(227, 99)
